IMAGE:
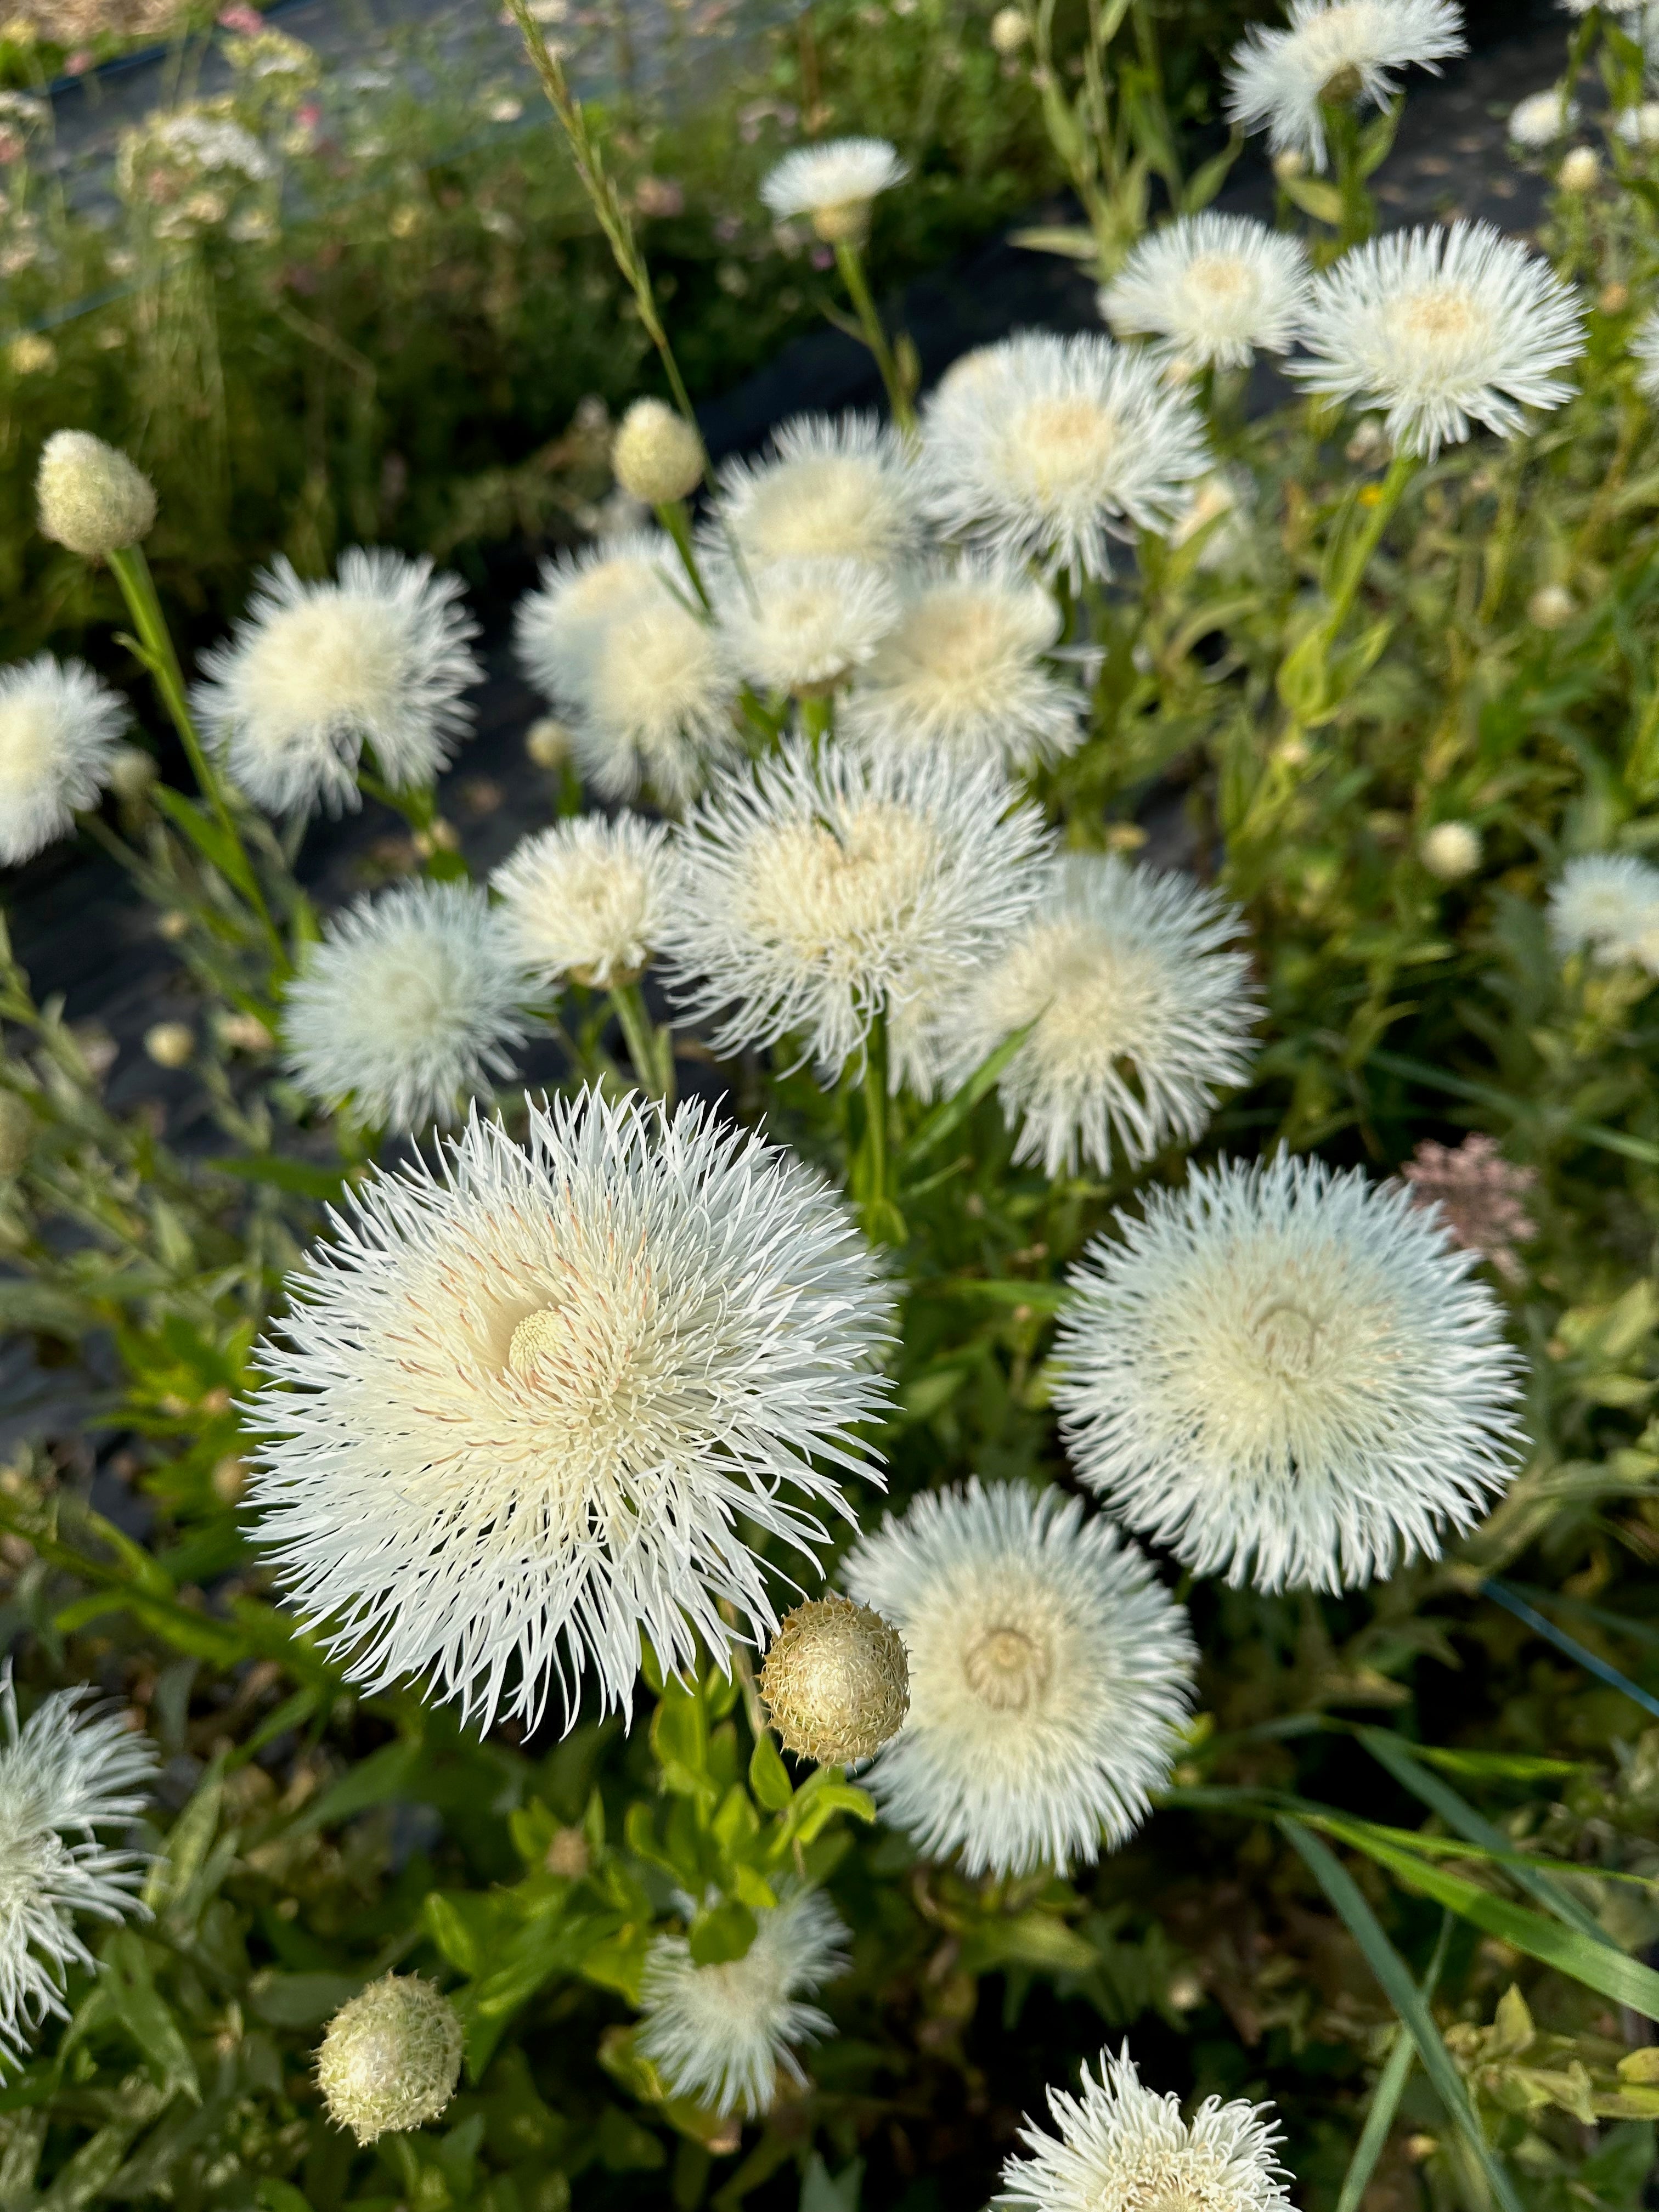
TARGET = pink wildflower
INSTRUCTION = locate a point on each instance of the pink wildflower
(1479, 1195)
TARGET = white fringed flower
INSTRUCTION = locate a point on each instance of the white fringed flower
(408, 1005)
(587, 900)
(830, 487)
(558, 627)
(1645, 352)
(1212, 288)
(1542, 118)
(721, 2034)
(812, 894)
(314, 673)
(1606, 904)
(1286, 1376)
(60, 730)
(1140, 1011)
(1122, 2148)
(530, 1393)
(1052, 445)
(1050, 1676)
(833, 184)
(1638, 126)
(1438, 326)
(64, 1775)
(804, 624)
(1342, 52)
(964, 671)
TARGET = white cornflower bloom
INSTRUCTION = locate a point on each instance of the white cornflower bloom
(1050, 1676)
(1438, 326)
(64, 1774)
(1122, 2148)
(408, 1005)
(1285, 1375)
(812, 894)
(531, 1394)
(314, 673)
(60, 730)
(1054, 445)
(201, 140)
(559, 627)
(804, 624)
(1606, 904)
(1543, 118)
(587, 900)
(1645, 351)
(1343, 53)
(1140, 1011)
(721, 2034)
(833, 184)
(1212, 288)
(965, 670)
(836, 487)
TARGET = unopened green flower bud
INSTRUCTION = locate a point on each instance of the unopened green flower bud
(836, 1682)
(391, 2058)
(91, 497)
(131, 773)
(656, 456)
(1451, 850)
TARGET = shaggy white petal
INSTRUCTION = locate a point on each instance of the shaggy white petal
(1285, 1375)
(1607, 904)
(1054, 445)
(587, 900)
(1140, 1013)
(408, 1005)
(1122, 2148)
(1439, 327)
(1645, 352)
(60, 730)
(653, 702)
(721, 2034)
(314, 673)
(64, 1774)
(1350, 50)
(558, 627)
(1212, 288)
(1050, 1676)
(830, 488)
(812, 893)
(524, 1398)
(1543, 118)
(965, 670)
(803, 624)
(843, 172)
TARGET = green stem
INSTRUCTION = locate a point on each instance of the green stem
(1357, 559)
(650, 1049)
(850, 262)
(817, 717)
(882, 1222)
(1390, 2086)
(131, 572)
(675, 521)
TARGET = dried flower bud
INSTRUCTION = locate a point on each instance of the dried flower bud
(16, 1134)
(391, 2058)
(170, 1044)
(1009, 31)
(568, 1854)
(1551, 606)
(836, 1682)
(1580, 172)
(1451, 850)
(91, 497)
(658, 455)
(548, 743)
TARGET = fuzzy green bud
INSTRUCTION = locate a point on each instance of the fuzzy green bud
(836, 1682)
(91, 497)
(391, 2058)
(657, 455)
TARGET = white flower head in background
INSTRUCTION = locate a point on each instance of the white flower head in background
(64, 1774)
(1645, 352)
(812, 894)
(654, 701)
(1050, 1677)
(965, 670)
(1439, 327)
(408, 1005)
(1286, 1375)
(60, 733)
(1053, 445)
(587, 900)
(833, 185)
(313, 673)
(804, 625)
(830, 487)
(1606, 904)
(558, 627)
(1141, 1011)
(1122, 2148)
(1340, 51)
(1542, 118)
(1220, 508)
(1638, 126)
(722, 2034)
(522, 1400)
(1212, 289)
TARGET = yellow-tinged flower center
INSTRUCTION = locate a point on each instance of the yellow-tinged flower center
(1007, 1668)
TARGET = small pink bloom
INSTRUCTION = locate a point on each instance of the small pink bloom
(11, 147)
(823, 258)
(240, 17)
(660, 196)
(308, 115)
(79, 62)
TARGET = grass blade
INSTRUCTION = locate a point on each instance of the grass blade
(1574, 1650)
(1402, 1992)
(1390, 2086)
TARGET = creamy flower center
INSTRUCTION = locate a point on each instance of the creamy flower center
(1222, 279)
(1445, 328)
(542, 1335)
(414, 1001)
(327, 660)
(823, 890)
(1006, 1668)
(28, 745)
(830, 506)
(1289, 1339)
(1065, 443)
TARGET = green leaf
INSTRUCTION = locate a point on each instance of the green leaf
(301, 1177)
(1391, 1969)
(393, 1772)
(208, 836)
(769, 1777)
(1321, 201)
(1043, 1296)
(950, 1112)
(722, 1934)
(1390, 2087)
(300, 2000)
